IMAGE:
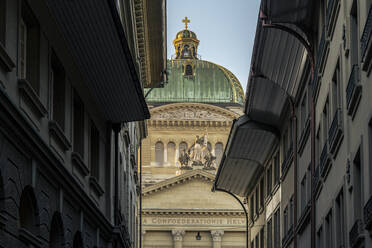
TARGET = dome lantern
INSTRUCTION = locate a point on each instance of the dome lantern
(186, 43)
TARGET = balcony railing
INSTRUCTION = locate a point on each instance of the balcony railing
(335, 131)
(353, 90)
(324, 160)
(356, 233)
(368, 214)
(366, 34)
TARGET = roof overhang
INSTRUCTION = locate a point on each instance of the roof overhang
(152, 36)
(279, 60)
(249, 144)
(96, 40)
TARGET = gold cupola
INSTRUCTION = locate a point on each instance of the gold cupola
(186, 43)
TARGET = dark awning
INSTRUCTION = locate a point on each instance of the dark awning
(296, 12)
(277, 66)
(96, 40)
(248, 146)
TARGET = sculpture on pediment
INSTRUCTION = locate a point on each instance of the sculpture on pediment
(199, 154)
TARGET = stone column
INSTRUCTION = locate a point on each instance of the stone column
(217, 238)
(178, 237)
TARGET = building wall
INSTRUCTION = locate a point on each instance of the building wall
(342, 191)
(48, 192)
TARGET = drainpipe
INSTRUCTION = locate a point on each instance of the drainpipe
(245, 211)
(116, 128)
(295, 164)
(140, 198)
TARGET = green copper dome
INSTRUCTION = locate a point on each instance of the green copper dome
(192, 80)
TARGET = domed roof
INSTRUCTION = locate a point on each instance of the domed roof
(186, 34)
(208, 83)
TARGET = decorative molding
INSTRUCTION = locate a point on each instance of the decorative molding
(198, 212)
(26, 89)
(178, 234)
(79, 162)
(56, 131)
(5, 60)
(29, 238)
(217, 235)
(94, 184)
(193, 174)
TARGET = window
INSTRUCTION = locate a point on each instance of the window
(329, 229)
(56, 235)
(57, 78)
(29, 47)
(303, 193)
(252, 244)
(251, 207)
(2, 21)
(357, 189)
(276, 169)
(354, 40)
(78, 125)
(308, 188)
(336, 89)
(171, 153)
(218, 149)
(269, 180)
(262, 194)
(285, 142)
(94, 151)
(256, 241)
(340, 220)
(319, 238)
(262, 237)
(159, 153)
(317, 147)
(28, 210)
(291, 212)
(269, 233)
(370, 154)
(325, 121)
(257, 202)
(303, 112)
(285, 217)
(188, 70)
(277, 229)
(183, 147)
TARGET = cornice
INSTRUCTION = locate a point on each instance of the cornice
(198, 212)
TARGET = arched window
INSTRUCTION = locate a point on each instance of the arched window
(159, 152)
(218, 150)
(183, 147)
(28, 210)
(171, 153)
(78, 240)
(56, 235)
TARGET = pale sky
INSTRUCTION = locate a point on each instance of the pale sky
(225, 28)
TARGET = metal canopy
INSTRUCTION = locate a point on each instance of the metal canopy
(278, 61)
(96, 40)
(248, 146)
(294, 11)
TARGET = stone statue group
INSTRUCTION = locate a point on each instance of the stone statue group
(199, 154)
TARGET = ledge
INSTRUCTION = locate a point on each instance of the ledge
(3, 220)
(94, 184)
(78, 160)
(56, 131)
(29, 238)
(304, 136)
(5, 60)
(25, 87)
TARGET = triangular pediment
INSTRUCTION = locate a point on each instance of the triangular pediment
(188, 192)
(192, 112)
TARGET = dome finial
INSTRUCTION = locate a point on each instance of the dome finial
(186, 21)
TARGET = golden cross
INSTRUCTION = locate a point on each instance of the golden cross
(186, 21)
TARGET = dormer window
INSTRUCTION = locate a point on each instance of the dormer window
(188, 70)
